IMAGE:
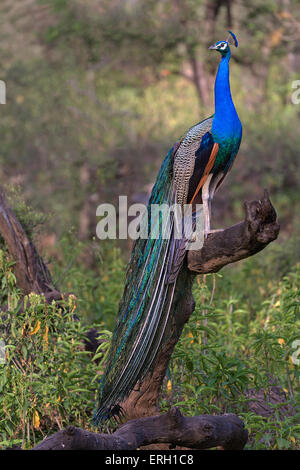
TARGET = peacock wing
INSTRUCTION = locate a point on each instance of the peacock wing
(186, 156)
(193, 162)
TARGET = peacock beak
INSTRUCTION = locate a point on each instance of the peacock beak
(213, 47)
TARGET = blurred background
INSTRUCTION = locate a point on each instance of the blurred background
(99, 90)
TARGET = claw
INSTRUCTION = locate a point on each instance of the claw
(212, 231)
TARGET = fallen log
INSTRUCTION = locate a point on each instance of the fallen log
(197, 432)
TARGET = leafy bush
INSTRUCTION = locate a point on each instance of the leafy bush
(48, 380)
(226, 350)
(98, 287)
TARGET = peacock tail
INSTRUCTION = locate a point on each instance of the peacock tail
(144, 308)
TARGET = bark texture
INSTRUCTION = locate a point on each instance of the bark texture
(31, 272)
(197, 432)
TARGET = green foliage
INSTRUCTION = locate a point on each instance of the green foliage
(241, 335)
(98, 284)
(30, 219)
(48, 380)
(226, 349)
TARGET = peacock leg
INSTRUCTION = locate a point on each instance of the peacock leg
(212, 189)
(207, 197)
(206, 207)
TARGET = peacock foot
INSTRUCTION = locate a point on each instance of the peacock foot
(213, 231)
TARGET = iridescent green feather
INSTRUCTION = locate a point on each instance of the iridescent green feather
(142, 314)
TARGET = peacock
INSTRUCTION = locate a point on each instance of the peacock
(191, 172)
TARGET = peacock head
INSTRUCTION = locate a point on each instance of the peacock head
(224, 46)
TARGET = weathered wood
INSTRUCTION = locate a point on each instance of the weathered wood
(31, 272)
(239, 241)
(197, 432)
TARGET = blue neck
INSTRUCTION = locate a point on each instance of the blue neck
(225, 113)
(224, 106)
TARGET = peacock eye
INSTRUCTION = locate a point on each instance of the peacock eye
(223, 45)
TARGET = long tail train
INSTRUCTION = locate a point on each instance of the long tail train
(145, 307)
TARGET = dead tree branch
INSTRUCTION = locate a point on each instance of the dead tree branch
(31, 272)
(239, 241)
(197, 432)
